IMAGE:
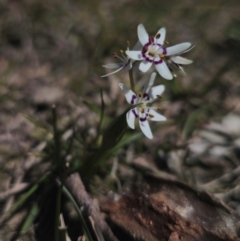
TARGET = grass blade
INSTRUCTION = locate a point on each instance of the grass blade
(85, 228)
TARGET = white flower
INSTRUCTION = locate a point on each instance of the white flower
(176, 63)
(153, 52)
(140, 109)
(126, 62)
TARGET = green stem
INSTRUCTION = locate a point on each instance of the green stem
(101, 117)
(56, 135)
(131, 80)
(85, 228)
(63, 168)
(58, 206)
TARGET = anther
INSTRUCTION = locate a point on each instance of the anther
(158, 36)
(159, 96)
(159, 108)
(142, 111)
(128, 43)
(151, 116)
(162, 56)
(121, 51)
(140, 94)
(166, 42)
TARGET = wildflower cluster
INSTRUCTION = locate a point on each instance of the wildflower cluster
(150, 50)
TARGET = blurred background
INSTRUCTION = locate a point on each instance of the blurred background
(52, 52)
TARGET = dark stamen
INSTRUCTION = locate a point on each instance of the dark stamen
(151, 39)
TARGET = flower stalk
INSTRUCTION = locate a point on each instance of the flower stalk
(130, 73)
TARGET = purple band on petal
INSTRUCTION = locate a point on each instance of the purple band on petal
(143, 118)
(145, 52)
(158, 62)
(146, 95)
(149, 43)
(134, 112)
(133, 98)
(164, 51)
(149, 60)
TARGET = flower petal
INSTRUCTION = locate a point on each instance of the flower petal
(193, 46)
(142, 34)
(180, 60)
(112, 72)
(181, 70)
(163, 70)
(145, 66)
(112, 66)
(129, 94)
(177, 49)
(156, 91)
(131, 118)
(156, 116)
(162, 33)
(133, 54)
(144, 125)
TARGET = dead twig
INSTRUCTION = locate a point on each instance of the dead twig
(232, 195)
(223, 180)
(17, 178)
(16, 189)
(76, 188)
